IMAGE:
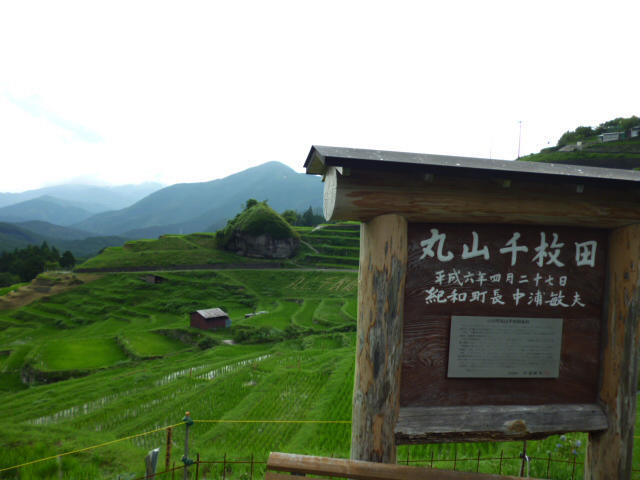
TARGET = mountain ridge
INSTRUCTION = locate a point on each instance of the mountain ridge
(202, 206)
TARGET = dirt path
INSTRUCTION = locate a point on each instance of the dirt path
(52, 284)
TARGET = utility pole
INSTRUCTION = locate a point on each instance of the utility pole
(519, 136)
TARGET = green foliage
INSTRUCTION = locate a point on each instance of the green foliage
(304, 219)
(626, 161)
(583, 133)
(256, 219)
(28, 262)
(119, 257)
(287, 366)
(290, 216)
(8, 279)
(76, 354)
(67, 260)
(252, 202)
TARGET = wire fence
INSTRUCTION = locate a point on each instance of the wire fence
(251, 468)
(226, 467)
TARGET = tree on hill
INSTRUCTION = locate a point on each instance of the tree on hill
(305, 219)
(291, 216)
(67, 260)
(258, 231)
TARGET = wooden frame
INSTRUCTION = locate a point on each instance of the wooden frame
(386, 190)
(327, 467)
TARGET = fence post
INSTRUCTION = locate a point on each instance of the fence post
(501, 454)
(150, 462)
(524, 457)
(548, 465)
(185, 458)
(252, 466)
(197, 466)
(167, 459)
(455, 457)
(224, 467)
(478, 463)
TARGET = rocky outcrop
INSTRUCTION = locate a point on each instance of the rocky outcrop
(262, 246)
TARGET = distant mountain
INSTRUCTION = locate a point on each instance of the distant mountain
(45, 208)
(50, 230)
(192, 207)
(82, 245)
(92, 198)
(13, 236)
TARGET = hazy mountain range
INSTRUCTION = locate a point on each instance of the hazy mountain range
(91, 198)
(68, 215)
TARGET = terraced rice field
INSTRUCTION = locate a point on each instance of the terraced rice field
(144, 367)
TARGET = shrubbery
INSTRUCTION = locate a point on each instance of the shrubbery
(257, 218)
(26, 263)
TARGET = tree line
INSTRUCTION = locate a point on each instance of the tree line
(619, 124)
(23, 265)
(304, 219)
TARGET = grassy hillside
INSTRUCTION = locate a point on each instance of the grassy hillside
(623, 154)
(332, 246)
(135, 365)
(115, 357)
(130, 344)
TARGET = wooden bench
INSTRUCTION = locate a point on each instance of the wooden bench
(295, 465)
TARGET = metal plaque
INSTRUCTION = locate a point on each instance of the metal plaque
(504, 347)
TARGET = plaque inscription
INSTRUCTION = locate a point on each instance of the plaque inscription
(514, 271)
(504, 347)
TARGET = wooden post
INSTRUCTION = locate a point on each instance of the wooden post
(381, 280)
(167, 459)
(609, 454)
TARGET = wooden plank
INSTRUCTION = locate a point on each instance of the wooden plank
(361, 470)
(376, 392)
(363, 195)
(609, 454)
(491, 422)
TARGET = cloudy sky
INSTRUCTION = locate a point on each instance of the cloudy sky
(183, 91)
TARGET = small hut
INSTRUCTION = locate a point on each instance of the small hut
(210, 319)
(153, 279)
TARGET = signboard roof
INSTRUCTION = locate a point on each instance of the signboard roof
(321, 157)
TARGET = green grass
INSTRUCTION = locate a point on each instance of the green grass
(307, 374)
(165, 242)
(149, 344)
(336, 246)
(121, 257)
(11, 288)
(77, 354)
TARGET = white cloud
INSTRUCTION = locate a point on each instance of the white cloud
(190, 91)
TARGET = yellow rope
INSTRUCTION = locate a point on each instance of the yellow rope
(89, 448)
(111, 442)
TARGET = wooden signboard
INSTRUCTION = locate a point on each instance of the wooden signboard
(497, 300)
(503, 271)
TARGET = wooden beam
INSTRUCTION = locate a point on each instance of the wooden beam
(360, 470)
(376, 392)
(364, 195)
(495, 422)
(609, 454)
